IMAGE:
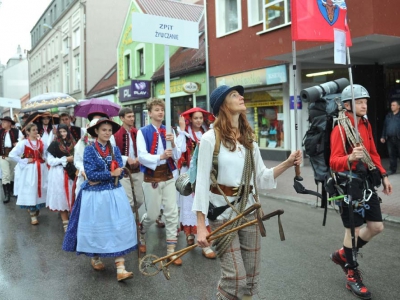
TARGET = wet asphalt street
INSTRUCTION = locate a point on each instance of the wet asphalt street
(33, 266)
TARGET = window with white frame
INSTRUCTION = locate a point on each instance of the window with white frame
(140, 61)
(66, 77)
(255, 11)
(76, 40)
(228, 16)
(77, 72)
(127, 66)
(65, 46)
(276, 14)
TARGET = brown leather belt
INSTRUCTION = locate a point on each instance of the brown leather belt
(131, 169)
(229, 191)
(161, 173)
(7, 151)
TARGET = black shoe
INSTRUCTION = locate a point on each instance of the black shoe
(6, 193)
(355, 285)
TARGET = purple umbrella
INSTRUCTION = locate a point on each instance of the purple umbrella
(84, 108)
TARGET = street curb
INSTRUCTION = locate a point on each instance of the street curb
(385, 217)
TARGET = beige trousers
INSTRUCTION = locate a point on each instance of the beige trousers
(162, 193)
(7, 169)
(137, 185)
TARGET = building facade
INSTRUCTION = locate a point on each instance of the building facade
(56, 60)
(104, 21)
(138, 62)
(248, 37)
(15, 79)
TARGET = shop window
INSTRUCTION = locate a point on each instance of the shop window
(182, 104)
(255, 11)
(276, 14)
(228, 16)
(265, 115)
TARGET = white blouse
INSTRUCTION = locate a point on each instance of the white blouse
(230, 168)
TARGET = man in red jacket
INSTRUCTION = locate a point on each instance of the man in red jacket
(366, 173)
(125, 140)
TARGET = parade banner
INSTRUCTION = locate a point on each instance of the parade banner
(315, 20)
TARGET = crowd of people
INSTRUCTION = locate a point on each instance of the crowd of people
(85, 176)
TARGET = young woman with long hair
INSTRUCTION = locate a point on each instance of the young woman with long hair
(60, 157)
(31, 171)
(240, 168)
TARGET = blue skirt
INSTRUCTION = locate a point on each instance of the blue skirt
(101, 224)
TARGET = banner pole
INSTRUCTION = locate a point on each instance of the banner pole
(296, 126)
(167, 83)
(349, 196)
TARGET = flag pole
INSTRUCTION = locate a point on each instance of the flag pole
(296, 126)
(349, 196)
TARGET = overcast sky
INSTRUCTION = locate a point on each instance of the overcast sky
(17, 18)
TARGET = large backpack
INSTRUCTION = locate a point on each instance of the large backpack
(316, 141)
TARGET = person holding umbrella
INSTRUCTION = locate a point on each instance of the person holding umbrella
(102, 223)
(31, 182)
(192, 123)
(45, 127)
(60, 157)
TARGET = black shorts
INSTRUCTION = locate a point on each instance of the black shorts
(371, 213)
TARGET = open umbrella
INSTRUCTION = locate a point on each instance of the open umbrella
(49, 100)
(84, 108)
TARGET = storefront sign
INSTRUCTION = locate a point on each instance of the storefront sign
(299, 103)
(176, 86)
(191, 87)
(246, 79)
(264, 103)
(125, 94)
(276, 74)
(164, 31)
(140, 89)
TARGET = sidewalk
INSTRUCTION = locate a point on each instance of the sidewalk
(390, 204)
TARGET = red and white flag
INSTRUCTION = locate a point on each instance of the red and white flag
(315, 20)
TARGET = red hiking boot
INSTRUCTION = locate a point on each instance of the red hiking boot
(355, 285)
(339, 258)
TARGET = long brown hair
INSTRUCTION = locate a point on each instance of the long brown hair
(223, 123)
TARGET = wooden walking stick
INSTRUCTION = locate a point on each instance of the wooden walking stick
(148, 265)
(135, 206)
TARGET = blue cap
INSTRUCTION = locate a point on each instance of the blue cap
(217, 97)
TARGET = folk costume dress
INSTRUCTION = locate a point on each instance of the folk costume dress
(101, 222)
(59, 196)
(31, 179)
(187, 218)
(240, 264)
(79, 150)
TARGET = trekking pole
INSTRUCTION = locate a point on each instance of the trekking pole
(296, 168)
(349, 196)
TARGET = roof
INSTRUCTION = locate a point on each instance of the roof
(105, 84)
(186, 60)
(172, 9)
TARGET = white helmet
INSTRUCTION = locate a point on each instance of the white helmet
(360, 92)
